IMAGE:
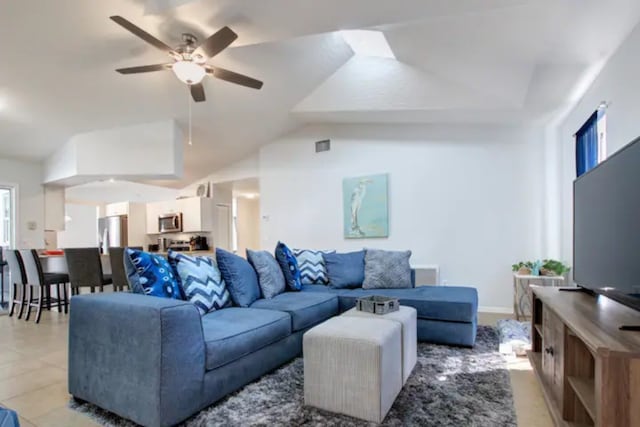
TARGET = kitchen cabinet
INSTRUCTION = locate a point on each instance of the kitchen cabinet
(155, 209)
(115, 209)
(197, 214)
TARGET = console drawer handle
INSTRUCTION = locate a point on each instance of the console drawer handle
(549, 350)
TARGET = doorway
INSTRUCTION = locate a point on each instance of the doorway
(7, 237)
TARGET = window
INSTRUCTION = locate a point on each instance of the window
(591, 142)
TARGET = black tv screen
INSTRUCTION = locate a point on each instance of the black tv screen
(606, 227)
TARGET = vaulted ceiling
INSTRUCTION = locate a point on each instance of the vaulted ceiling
(487, 61)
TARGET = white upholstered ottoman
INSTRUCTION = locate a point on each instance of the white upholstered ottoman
(352, 366)
(408, 317)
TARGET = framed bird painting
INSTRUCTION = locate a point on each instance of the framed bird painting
(365, 206)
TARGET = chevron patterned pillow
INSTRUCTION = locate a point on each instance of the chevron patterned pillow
(201, 281)
(312, 267)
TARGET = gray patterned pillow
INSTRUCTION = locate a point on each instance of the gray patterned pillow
(386, 269)
(270, 277)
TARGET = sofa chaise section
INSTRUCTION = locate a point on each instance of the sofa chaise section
(446, 314)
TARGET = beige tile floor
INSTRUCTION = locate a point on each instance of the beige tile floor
(33, 371)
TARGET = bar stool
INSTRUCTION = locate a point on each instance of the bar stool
(17, 281)
(118, 273)
(3, 264)
(36, 280)
(85, 269)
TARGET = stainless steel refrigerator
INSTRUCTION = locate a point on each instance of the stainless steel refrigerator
(112, 231)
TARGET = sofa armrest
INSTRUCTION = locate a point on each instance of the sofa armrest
(138, 356)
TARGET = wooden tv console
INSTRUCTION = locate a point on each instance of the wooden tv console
(589, 370)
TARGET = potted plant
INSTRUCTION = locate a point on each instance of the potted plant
(522, 267)
(552, 267)
(546, 267)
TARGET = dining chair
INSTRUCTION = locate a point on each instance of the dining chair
(85, 269)
(17, 281)
(38, 282)
(118, 273)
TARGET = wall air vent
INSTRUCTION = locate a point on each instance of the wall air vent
(324, 145)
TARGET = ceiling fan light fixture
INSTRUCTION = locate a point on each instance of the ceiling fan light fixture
(189, 72)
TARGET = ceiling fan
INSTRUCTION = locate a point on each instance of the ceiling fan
(190, 60)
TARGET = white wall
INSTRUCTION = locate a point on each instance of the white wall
(119, 191)
(149, 150)
(81, 228)
(247, 224)
(618, 84)
(246, 168)
(28, 178)
(465, 197)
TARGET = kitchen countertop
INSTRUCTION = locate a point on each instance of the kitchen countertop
(207, 252)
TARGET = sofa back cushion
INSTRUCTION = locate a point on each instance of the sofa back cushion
(150, 274)
(345, 270)
(240, 278)
(311, 265)
(289, 266)
(387, 269)
(270, 277)
(200, 281)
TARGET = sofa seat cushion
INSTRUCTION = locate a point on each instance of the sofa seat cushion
(234, 332)
(306, 309)
(446, 303)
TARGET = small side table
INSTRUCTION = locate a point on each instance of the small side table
(521, 295)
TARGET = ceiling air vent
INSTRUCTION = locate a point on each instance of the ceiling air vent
(324, 145)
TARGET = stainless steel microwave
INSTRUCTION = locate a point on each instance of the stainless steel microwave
(170, 223)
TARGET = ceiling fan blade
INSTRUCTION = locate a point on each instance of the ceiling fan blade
(197, 92)
(142, 34)
(216, 43)
(144, 69)
(236, 78)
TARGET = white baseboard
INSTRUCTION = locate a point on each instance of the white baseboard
(498, 310)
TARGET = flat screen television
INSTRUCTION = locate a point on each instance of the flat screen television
(606, 227)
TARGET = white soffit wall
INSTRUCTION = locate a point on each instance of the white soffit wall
(144, 151)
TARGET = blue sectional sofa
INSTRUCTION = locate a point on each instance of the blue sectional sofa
(156, 361)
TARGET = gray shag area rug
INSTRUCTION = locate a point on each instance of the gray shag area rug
(449, 387)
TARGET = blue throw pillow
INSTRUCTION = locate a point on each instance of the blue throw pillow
(270, 277)
(200, 281)
(240, 277)
(345, 270)
(289, 266)
(150, 274)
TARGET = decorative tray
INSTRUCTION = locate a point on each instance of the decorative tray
(378, 304)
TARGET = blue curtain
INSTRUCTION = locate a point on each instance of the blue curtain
(587, 145)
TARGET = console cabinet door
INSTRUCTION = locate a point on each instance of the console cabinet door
(548, 344)
(552, 352)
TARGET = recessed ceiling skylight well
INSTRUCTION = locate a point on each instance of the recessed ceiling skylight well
(368, 43)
